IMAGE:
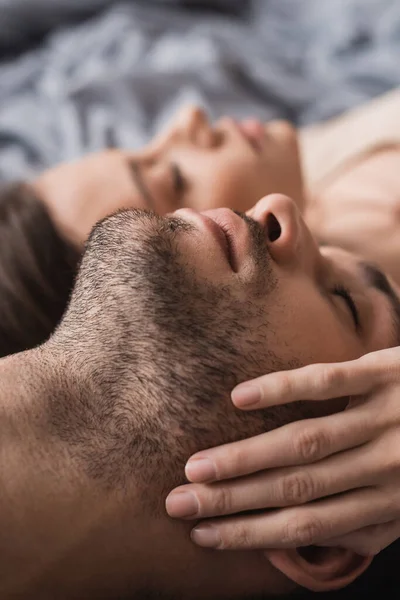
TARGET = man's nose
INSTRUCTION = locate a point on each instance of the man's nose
(290, 242)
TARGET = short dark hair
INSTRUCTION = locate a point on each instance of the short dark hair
(37, 270)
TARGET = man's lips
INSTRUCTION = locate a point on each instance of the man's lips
(228, 230)
(220, 226)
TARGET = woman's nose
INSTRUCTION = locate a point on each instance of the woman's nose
(193, 125)
(290, 242)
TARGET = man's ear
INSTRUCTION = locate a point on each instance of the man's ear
(319, 569)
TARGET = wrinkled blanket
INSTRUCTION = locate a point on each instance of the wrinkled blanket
(81, 75)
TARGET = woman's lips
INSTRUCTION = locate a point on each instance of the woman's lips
(254, 132)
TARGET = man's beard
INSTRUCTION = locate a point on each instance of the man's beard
(166, 349)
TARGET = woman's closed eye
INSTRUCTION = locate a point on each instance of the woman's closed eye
(343, 292)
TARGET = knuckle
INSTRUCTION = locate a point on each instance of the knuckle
(303, 531)
(311, 445)
(237, 462)
(372, 361)
(222, 502)
(388, 453)
(285, 389)
(237, 538)
(391, 463)
(391, 505)
(392, 370)
(297, 488)
(331, 378)
(382, 367)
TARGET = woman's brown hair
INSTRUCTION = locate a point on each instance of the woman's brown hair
(37, 270)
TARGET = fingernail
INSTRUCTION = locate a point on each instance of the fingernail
(206, 536)
(182, 504)
(246, 394)
(200, 470)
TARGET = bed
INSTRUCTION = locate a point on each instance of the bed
(80, 75)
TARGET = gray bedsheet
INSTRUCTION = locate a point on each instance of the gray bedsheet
(80, 75)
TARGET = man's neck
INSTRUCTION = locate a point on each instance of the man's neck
(65, 534)
(53, 519)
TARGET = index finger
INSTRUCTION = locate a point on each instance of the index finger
(297, 443)
(313, 382)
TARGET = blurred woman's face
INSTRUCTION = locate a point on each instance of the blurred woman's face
(190, 164)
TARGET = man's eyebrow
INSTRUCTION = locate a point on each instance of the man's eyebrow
(141, 186)
(378, 280)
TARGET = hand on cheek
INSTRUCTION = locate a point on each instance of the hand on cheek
(327, 481)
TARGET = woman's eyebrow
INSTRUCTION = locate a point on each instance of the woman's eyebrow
(378, 280)
(141, 186)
